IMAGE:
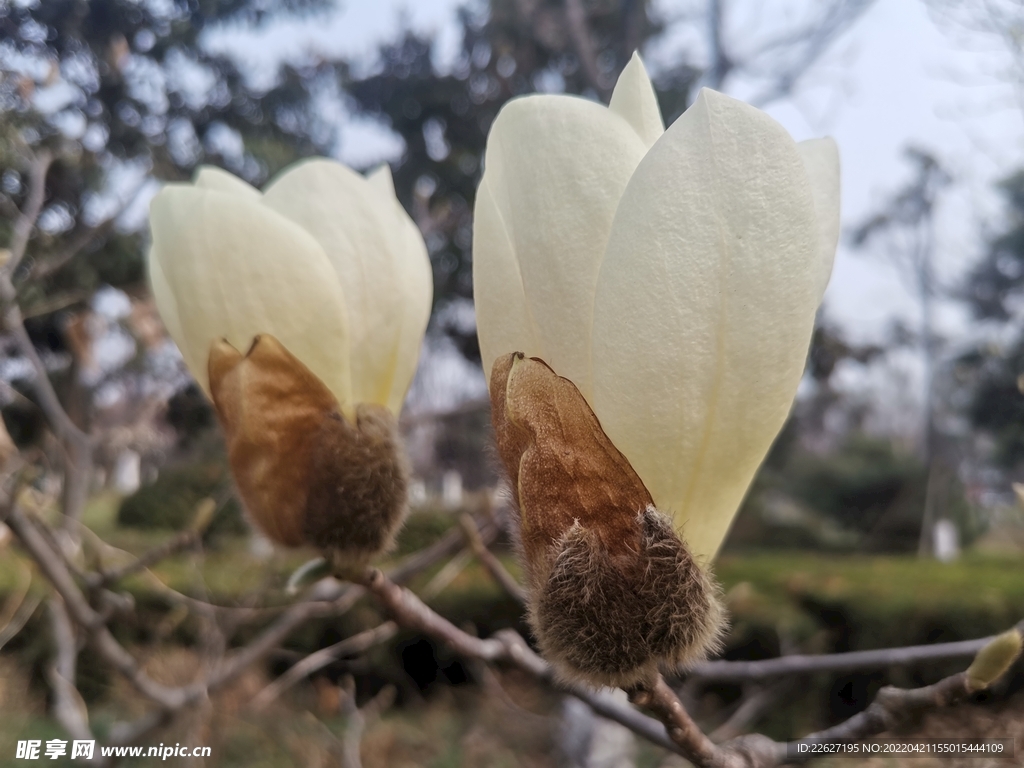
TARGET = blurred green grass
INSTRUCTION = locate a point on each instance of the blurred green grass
(882, 599)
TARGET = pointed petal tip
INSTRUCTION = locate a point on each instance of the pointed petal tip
(382, 178)
(212, 177)
(635, 100)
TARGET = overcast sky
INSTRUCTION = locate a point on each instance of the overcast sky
(896, 78)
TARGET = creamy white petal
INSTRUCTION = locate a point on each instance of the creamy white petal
(357, 224)
(821, 159)
(212, 177)
(166, 304)
(634, 99)
(238, 269)
(381, 178)
(416, 284)
(415, 281)
(503, 321)
(704, 310)
(556, 167)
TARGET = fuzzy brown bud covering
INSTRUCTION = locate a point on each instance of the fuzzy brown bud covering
(306, 473)
(614, 592)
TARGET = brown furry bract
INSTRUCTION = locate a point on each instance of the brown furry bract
(307, 474)
(614, 592)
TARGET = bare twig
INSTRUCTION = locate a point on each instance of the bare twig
(444, 547)
(55, 303)
(68, 706)
(495, 690)
(676, 731)
(60, 422)
(26, 222)
(182, 541)
(446, 575)
(100, 581)
(489, 560)
(357, 719)
(663, 702)
(753, 706)
(185, 540)
(339, 599)
(77, 243)
(20, 618)
(410, 612)
(579, 32)
(806, 664)
(893, 706)
(316, 661)
(77, 444)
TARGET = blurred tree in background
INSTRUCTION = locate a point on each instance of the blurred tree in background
(994, 292)
(516, 47)
(119, 95)
(118, 91)
(125, 92)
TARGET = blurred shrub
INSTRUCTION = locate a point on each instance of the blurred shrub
(866, 494)
(170, 501)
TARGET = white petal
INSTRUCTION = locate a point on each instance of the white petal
(212, 177)
(556, 166)
(821, 159)
(364, 233)
(381, 178)
(166, 304)
(503, 321)
(704, 310)
(238, 269)
(416, 284)
(635, 100)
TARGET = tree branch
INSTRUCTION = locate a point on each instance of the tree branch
(663, 702)
(583, 43)
(316, 661)
(893, 706)
(490, 561)
(720, 671)
(68, 708)
(357, 719)
(410, 612)
(26, 221)
(339, 599)
(676, 730)
(78, 242)
(60, 422)
(754, 704)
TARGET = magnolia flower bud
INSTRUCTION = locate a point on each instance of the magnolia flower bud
(325, 281)
(308, 474)
(613, 590)
(672, 276)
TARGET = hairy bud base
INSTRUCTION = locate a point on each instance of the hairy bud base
(307, 473)
(612, 620)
